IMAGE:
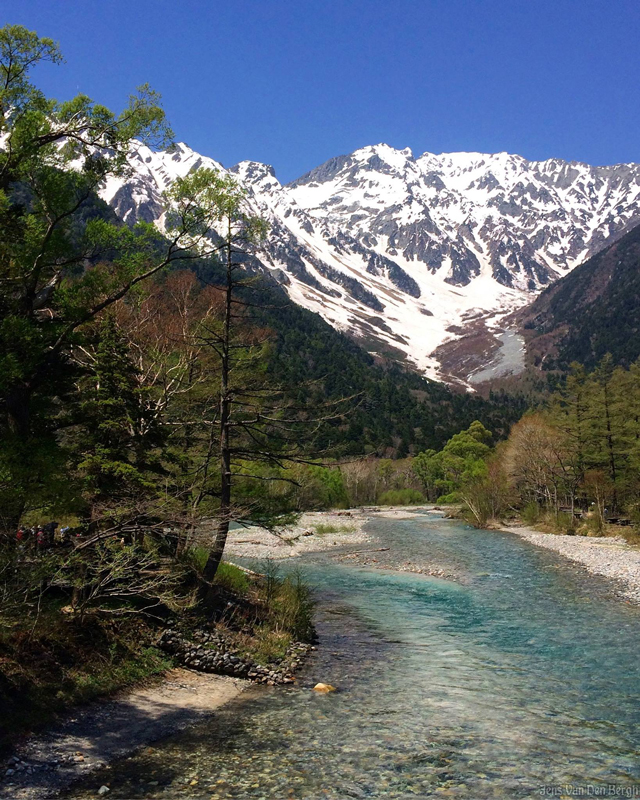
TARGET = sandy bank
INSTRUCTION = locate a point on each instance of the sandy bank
(314, 531)
(367, 552)
(608, 556)
(104, 731)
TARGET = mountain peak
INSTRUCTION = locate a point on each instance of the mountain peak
(254, 173)
(377, 154)
(408, 253)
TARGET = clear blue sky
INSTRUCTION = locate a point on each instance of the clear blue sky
(295, 82)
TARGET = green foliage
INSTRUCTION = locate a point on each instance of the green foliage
(449, 499)
(232, 578)
(286, 600)
(325, 528)
(597, 416)
(319, 488)
(55, 239)
(531, 513)
(573, 466)
(332, 492)
(565, 522)
(116, 441)
(400, 497)
(115, 577)
(291, 609)
(267, 646)
(460, 461)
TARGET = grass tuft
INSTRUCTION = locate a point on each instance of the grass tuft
(323, 528)
(232, 578)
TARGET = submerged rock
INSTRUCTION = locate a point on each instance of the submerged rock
(324, 688)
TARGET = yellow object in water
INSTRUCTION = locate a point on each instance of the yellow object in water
(324, 688)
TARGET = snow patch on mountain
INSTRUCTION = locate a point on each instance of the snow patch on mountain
(407, 253)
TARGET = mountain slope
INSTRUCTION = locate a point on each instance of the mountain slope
(408, 253)
(590, 312)
(394, 411)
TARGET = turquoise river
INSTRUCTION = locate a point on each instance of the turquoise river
(520, 679)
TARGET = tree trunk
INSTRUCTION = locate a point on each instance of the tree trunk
(222, 530)
(17, 405)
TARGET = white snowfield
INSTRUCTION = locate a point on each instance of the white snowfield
(407, 252)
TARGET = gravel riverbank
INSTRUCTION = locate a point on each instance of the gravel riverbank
(608, 556)
(314, 531)
(91, 737)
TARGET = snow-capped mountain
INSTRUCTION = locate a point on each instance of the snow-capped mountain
(408, 253)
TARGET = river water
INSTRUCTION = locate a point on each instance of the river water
(519, 679)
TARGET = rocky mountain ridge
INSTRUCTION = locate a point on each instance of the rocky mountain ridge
(593, 311)
(409, 253)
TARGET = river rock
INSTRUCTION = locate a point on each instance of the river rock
(218, 658)
(324, 688)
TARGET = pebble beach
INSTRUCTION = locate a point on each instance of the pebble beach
(609, 556)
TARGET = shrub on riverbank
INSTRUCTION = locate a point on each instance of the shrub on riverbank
(401, 497)
(324, 528)
(260, 633)
(273, 612)
(232, 578)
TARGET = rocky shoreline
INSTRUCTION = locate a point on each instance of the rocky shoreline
(211, 673)
(375, 558)
(609, 556)
(368, 559)
(208, 651)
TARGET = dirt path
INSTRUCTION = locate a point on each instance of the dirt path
(104, 731)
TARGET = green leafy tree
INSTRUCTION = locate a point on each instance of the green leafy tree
(607, 419)
(118, 438)
(428, 471)
(460, 460)
(252, 431)
(64, 259)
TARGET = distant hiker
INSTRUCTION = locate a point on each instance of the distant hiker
(40, 537)
(50, 533)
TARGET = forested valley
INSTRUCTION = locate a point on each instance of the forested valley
(157, 390)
